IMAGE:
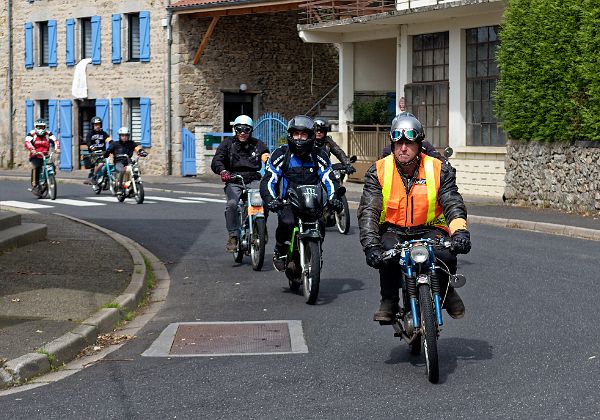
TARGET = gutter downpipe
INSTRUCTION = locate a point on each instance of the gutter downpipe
(169, 107)
(11, 145)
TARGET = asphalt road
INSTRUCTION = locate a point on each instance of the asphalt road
(528, 346)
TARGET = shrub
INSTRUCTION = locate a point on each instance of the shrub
(371, 112)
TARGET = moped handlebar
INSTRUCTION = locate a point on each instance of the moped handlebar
(440, 243)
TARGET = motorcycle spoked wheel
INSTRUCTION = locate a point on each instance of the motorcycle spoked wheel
(238, 255)
(139, 196)
(99, 186)
(342, 219)
(429, 333)
(51, 187)
(257, 245)
(311, 277)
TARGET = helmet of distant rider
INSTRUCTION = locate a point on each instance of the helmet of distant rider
(123, 131)
(321, 125)
(40, 127)
(406, 125)
(303, 143)
(243, 124)
(96, 120)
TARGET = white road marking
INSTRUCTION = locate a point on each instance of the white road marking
(77, 203)
(168, 199)
(205, 199)
(24, 205)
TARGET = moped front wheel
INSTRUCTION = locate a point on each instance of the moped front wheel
(139, 195)
(429, 333)
(257, 246)
(311, 273)
(51, 187)
(342, 219)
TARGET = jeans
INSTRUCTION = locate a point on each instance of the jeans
(233, 192)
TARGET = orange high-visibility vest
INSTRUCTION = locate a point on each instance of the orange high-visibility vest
(417, 207)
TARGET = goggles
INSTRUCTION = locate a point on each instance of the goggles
(408, 133)
(242, 129)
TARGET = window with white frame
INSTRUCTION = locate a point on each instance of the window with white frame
(86, 37)
(135, 119)
(427, 95)
(482, 76)
(133, 37)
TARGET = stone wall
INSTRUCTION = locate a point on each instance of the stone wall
(263, 51)
(106, 80)
(558, 175)
(4, 112)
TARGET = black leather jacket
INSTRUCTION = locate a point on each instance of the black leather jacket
(369, 209)
(331, 147)
(240, 158)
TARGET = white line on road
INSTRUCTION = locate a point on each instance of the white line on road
(205, 199)
(77, 203)
(24, 205)
(168, 199)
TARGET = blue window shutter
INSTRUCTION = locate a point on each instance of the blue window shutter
(145, 36)
(66, 135)
(102, 112)
(53, 115)
(116, 38)
(28, 45)
(52, 43)
(96, 44)
(70, 45)
(146, 122)
(28, 116)
(116, 117)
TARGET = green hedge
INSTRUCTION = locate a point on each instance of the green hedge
(549, 87)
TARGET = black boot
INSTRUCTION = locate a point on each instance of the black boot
(387, 311)
(389, 297)
(454, 304)
(280, 257)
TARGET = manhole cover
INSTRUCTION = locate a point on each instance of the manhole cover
(188, 339)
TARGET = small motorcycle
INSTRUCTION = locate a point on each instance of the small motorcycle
(340, 219)
(105, 178)
(419, 319)
(253, 227)
(47, 178)
(131, 185)
(304, 259)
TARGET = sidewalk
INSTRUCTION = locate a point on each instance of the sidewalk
(55, 300)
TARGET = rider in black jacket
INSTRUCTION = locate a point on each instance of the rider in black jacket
(242, 155)
(295, 163)
(322, 140)
(96, 139)
(122, 150)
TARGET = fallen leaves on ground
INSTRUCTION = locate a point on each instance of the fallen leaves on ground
(17, 300)
(3, 361)
(105, 340)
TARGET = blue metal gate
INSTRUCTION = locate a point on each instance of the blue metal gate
(271, 128)
(188, 153)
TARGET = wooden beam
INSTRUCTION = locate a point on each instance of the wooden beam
(205, 38)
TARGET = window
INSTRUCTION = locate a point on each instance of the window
(482, 75)
(43, 45)
(427, 95)
(133, 37)
(44, 110)
(135, 120)
(86, 38)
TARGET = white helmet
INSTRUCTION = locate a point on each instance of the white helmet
(243, 120)
(123, 130)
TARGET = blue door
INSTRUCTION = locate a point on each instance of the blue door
(271, 128)
(66, 135)
(188, 153)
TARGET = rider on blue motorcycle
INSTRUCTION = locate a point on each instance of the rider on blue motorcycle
(409, 195)
(39, 140)
(295, 163)
(96, 139)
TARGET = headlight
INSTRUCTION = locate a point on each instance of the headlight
(419, 254)
(255, 199)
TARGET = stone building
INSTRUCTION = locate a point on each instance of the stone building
(221, 59)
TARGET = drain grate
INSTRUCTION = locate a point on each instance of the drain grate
(189, 339)
(231, 338)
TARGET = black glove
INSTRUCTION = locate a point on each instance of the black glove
(374, 256)
(275, 205)
(142, 153)
(350, 169)
(461, 241)
(336, 204)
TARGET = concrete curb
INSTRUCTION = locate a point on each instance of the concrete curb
(548, 228)
(66, 347)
